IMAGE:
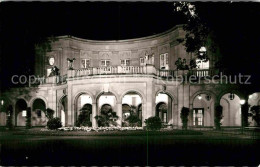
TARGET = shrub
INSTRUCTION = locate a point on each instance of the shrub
(218, 116)
(153, 123)
(133, 120)
(107, 118)
(245, 114)
(9, 121)
(54, 123)
(28, 118)
(184, 117)
(255, 113)
(84, 119)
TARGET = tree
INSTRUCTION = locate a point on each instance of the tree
(49, 113)
(28, 118)
(184, 117)
(9, 121)
(245, 114)
(84, 117)
(218, 116)
(107, 118)
(255, 114)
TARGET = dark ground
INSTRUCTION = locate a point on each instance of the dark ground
(122, 148)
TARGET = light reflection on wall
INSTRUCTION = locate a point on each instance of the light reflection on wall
(161, 98)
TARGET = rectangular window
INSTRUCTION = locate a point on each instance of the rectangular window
(125, 62)
(85, 63)
(24, 113)
(105, 63)
(198, 117)
(142, 61)
(164, 61)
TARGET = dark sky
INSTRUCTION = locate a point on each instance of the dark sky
(236, 26)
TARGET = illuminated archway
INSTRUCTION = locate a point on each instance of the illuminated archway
(231, 109)
(163, 107)
(38, 113)
(83, 102)
(20, 112)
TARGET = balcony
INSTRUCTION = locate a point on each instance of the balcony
(127, 70)
(141, 70)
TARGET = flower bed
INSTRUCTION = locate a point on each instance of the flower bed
(99, 129)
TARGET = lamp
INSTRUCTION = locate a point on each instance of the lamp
(208, 97)
(2, 102)
(199, 97)
(231, 96)
(242, 101)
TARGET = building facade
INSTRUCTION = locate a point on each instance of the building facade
(121, 74)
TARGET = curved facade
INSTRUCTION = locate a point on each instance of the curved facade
(118, 74)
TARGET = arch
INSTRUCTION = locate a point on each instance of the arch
(43, 107)
(63, 110)
(237, 92)
(213, 95)
(102, 93)
(20, 105)
(38, 97)
(135, 91)
(81, 93)
(161, 109)
(173, 97)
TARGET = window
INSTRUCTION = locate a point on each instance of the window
(202, 64)
(142, 61)
(85, 63)
(198, 117)
(164, 61)
(24, 113)
(105, 62)
(125, 62)
(39, 113)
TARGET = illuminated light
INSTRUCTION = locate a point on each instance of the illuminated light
(2, 102)
(199, 97)
(250, 96)
(242, 101)
(203, 49)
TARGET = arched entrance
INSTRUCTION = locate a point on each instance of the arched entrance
(231, 110)
(132, 105)
(20, 112)
(163, 107)
(38, 113)
(83, 113)
(202, 110)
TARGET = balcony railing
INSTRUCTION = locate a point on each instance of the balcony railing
(128, 70)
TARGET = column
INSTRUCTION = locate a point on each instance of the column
(119, 113)
(94, 113)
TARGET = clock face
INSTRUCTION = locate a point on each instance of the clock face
(51, 61)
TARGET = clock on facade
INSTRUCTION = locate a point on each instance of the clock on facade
(51, 61)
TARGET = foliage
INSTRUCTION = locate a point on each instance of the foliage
(9, 121)
(84, 119)
(245, 114)
(54, 123)
(153, 123)
(49, 113)
(133, 120)
(107, 118)
(218, 116)
(184, 117)
(255, 113)
(181, 64)
(28, 118)
(44, 45)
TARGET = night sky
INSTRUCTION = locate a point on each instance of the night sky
(236, 26)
